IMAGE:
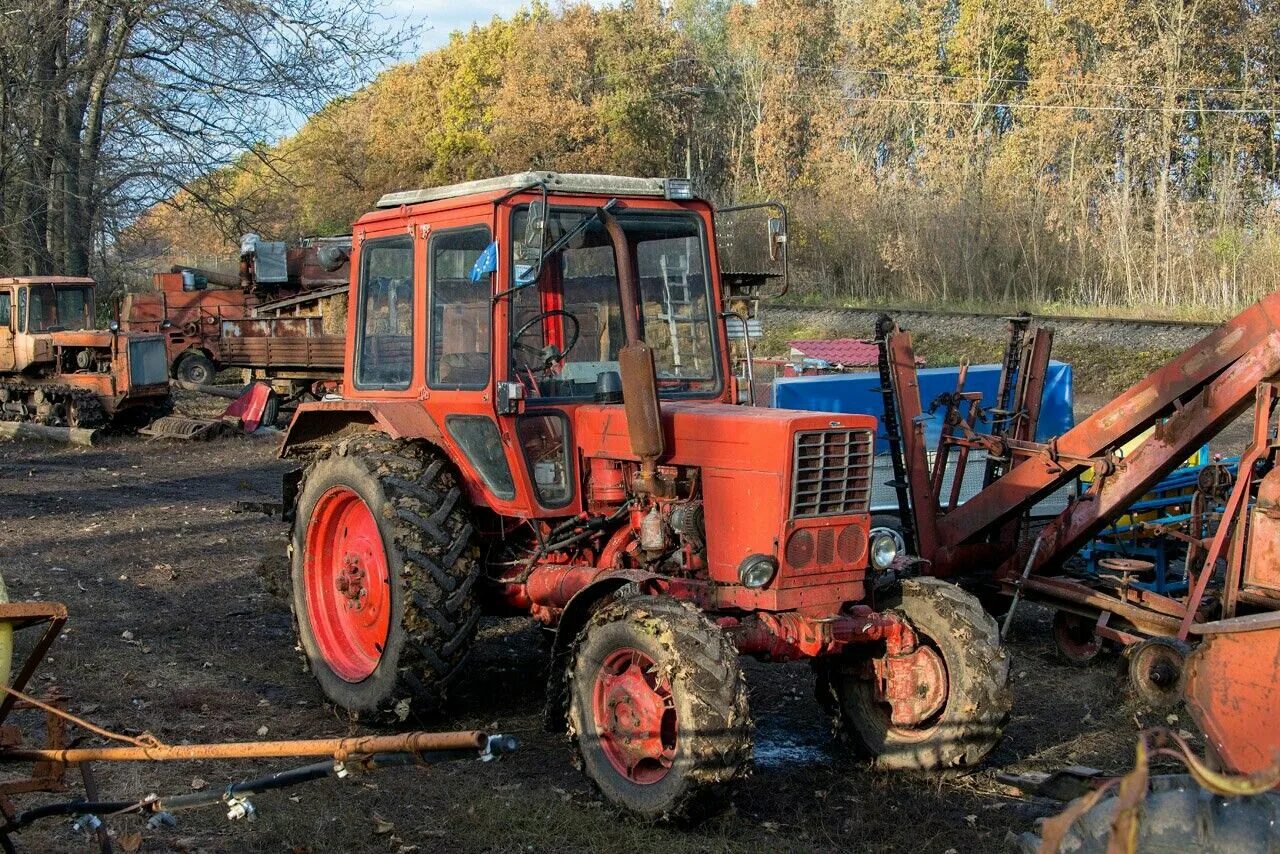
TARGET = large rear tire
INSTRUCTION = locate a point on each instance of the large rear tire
(971, 719)
(382, 567)
(658, 707)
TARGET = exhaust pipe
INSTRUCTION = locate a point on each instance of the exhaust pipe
(635, 365)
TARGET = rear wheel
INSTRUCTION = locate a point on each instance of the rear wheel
(382, 573)
(196, 368)
(658, 707)
(960, 644)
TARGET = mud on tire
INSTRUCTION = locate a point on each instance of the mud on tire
(422, 516)
(711, 730)
(978, 700)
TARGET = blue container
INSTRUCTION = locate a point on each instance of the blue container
(859, 394)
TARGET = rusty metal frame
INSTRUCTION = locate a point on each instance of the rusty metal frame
(1196, 395)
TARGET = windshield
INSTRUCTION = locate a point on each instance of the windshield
(574, 308)
(56, 308)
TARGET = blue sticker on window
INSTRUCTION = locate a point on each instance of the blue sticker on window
(486, 263)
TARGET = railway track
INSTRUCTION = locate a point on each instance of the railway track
(1135, 333)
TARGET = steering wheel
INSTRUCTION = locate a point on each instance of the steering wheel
(548, 355)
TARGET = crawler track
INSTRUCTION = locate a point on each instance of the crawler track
(50, 403)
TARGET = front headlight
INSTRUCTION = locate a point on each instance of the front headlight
(884, 550)
(757, 571)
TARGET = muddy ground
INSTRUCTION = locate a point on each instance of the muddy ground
(172, 631)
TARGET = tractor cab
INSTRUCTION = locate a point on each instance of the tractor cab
(33, 308)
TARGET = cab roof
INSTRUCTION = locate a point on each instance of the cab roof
(46, 280)
(556, 182)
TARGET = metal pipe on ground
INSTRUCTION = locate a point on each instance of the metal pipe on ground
(26, 430)
(410, 742)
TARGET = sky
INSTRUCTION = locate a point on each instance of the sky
(438, 18)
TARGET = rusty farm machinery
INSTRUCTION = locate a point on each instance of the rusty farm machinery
(1218, 641)
(61, 749)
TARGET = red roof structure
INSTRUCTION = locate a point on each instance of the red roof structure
(840, 352)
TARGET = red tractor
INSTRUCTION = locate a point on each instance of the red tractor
(539, 417)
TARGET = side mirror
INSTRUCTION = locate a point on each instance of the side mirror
(535, 230)
(777, 235)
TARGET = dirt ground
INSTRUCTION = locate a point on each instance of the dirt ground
(173, 631)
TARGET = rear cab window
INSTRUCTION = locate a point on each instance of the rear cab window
(384, 346)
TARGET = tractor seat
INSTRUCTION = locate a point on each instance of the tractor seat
(464, 368)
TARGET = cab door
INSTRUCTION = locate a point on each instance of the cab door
(7, 322)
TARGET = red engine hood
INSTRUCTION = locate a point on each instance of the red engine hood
(745, 458)
(712, 435)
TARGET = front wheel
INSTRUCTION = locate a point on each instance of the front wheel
(658, 707)
(960, 643)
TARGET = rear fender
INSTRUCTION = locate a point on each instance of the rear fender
(333, 419)
(572, 620)
(317, 424)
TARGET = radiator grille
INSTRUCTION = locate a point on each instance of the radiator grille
(832, 473)
(148, 364)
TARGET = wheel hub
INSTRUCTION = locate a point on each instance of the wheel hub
(350, 582)
(348, 586)
(914, 685)
(635, 716)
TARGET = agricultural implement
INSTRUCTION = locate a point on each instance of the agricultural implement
(540, 417)
(60, 752)
(1232, 591)
(59, 373)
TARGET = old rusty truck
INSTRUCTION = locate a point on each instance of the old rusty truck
(279, 319)
(56, 369)
(539, 418)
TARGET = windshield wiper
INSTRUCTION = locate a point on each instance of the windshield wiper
(535, 272)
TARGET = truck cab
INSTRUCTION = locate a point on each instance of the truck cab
(540, 416)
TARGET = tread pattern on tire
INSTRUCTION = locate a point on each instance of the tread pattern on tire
(441, 564)
(984, 710)
(706, 654)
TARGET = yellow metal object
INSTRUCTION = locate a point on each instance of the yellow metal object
(6, 640)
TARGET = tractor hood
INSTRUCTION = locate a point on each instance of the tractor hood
(747, 458)
(738, 439)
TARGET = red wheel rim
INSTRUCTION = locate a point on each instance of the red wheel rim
(347, 585)
(635, 716)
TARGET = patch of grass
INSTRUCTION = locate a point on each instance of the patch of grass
(1108, 369)
(1098, 368)
(1162, 311)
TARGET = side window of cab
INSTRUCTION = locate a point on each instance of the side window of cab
(460, 309)
(6, 309)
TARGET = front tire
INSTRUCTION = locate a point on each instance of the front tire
(971, 719)
(658, 707)
(382, 571)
